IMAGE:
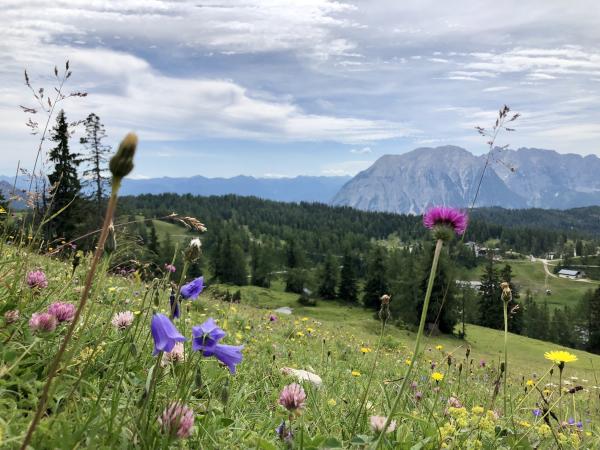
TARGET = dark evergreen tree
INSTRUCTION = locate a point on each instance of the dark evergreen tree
(491, 313)
(64, 181)
(96, 159)
(328, 278)
(594, 322)
(261, 265)
(296, 276)
(348, 289)
(153, 244)
(376, 281)
(229, 260)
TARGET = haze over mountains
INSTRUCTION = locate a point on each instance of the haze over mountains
(449, 175)
(410, 182)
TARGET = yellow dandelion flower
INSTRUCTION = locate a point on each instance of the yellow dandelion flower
(437, 376)
(525, 424)
(248, 327)
(299, 334)
(331, 402)
(559, 357)
(310, 330)
(530, 383)
(439, 347)
(304, 319)
(365, 350)
(407, 361)
(355, 373)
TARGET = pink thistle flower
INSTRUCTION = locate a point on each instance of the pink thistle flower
(122, 320)
(446, 217)
(292, 397)
(44, 322)
(272, 318)
(170, 268)
(36, 279)
(176, 355)
(11, 316)
(64, 312)
(378, 422)
(177, 420)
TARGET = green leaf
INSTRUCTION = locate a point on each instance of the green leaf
(225, 422)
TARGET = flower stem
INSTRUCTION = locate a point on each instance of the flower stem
(112, 203)
(505, 352)
(434, 264)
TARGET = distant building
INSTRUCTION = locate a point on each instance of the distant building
(571, 274)
(472, 284)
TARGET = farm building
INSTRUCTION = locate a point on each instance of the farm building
(572, 274)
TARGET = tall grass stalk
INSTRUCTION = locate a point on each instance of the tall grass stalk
(434, 264)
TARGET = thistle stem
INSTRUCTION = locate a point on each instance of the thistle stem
(434, 264)
(505, 352)
(54, 366)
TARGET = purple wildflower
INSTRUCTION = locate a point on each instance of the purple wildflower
(292, 397)
(284, 433)
(418, 395)
(170, 268)
(42, 322)
(64, 312)
(446, 216)
(482, 363)
(37, 279)
(272, 318)
(205, 338)
(164, 333)
(193, 289)
(537, 412)
(122, 320)
(177, 420)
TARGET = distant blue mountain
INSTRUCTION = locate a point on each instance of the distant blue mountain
(297, 189)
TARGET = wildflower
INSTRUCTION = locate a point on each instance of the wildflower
(174, 356)
(205, 338)
(177, 420)
(284, 433)
(193, 289)
(170, 268)
(11, 316)
(365, 350)
(300, 334)
(292, 397)
(37, 279)
(331, 402)
(418, 395)
(482, 363)
(442, 220)
(378, 422)
(303, 375)
(437, 376)
(453, 402)
(559, 357)
(407, 361)
(530, 383)
(121, 164)
(272, 318)
(439, 347)
(194, 250)
(64, 312)
(355, 373)
(44, 322)
(164, 333)
(478, 410)
(122, 320)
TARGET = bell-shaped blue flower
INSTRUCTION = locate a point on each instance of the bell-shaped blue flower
(164, 333)
(193, 289)
(206, 337)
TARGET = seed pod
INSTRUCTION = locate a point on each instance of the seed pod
(121, 164)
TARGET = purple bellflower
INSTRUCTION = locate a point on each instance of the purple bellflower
(193, 289)
(206, 338)
(164, 333)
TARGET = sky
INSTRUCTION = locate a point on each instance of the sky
(274, 88)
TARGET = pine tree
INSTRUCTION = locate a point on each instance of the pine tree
(329, 276)
(376, 281)
(64, 181)
(261, 265)
(491, 313)
(96, 160)
(348, 290)
(594, 322)
(296, 277)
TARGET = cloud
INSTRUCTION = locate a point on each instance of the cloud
(361, 151)
(346, 168)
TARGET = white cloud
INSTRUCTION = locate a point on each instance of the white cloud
(345, 168)
(361, 151)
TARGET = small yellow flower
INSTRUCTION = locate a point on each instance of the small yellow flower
(439, 347)
(2, 210)
(478, 410)
(248, 327)
(112, 289)
(530, 383)
(331, 402)
(355, 373)
(238, 336)
(407, 361)
(437, 376)
(299, 334)
(525, 424)
(365, 350)
(310, 330)
(304, 319)
(559, 357)
(137, 313)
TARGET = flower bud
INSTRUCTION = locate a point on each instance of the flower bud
(121, 164)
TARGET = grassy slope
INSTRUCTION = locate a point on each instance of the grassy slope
(526, 355)
(531, 275)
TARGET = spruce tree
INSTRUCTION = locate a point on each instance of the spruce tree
(260, 265)
(348, 290)
(329, 276)
(594, 322)
(491, 313)
(64, 181)
(96, 160)
(376, 281)
(296, 276)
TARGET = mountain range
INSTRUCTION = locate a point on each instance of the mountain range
(450, 175)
